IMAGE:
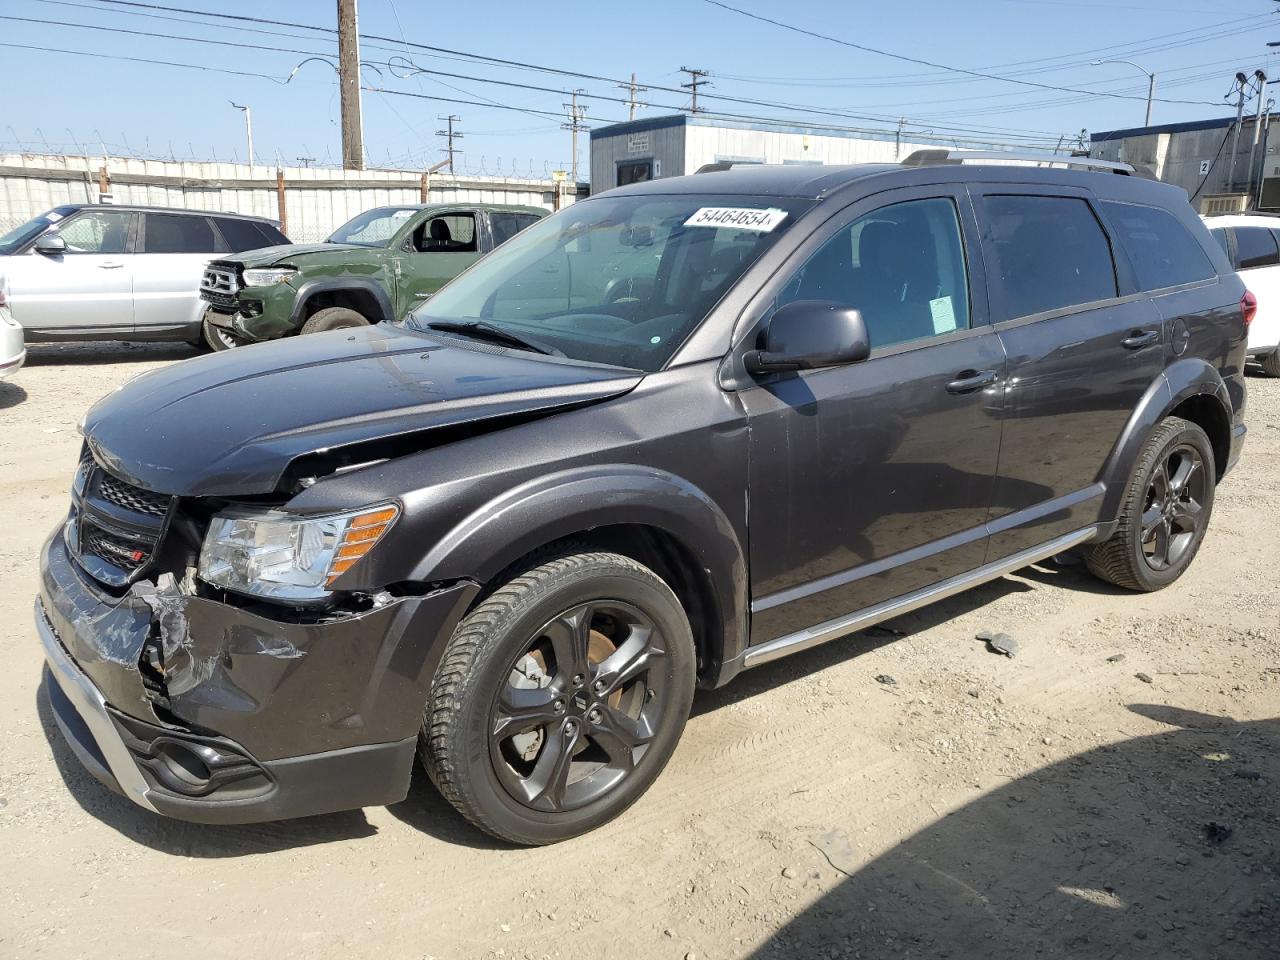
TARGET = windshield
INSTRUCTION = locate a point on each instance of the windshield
(20, 236)
(373, 228)
(618, 280)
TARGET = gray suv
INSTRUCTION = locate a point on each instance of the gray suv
(675, 431)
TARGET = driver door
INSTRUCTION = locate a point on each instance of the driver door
(435, 251)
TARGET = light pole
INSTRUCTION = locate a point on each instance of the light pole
(1151, 81)
(248, 127)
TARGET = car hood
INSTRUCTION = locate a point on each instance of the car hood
(291, 252)
(230, 424)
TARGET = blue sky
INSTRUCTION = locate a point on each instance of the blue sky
(70, 101)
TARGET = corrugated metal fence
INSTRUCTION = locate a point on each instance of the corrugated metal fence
(313, 200)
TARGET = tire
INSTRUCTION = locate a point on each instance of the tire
(505, 782)
(333, 318)
(1271, 363)
(217, 339)
(1164, 511)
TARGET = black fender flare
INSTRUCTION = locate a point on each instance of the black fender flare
(310, 288)
(1181, 380)
(561, 504)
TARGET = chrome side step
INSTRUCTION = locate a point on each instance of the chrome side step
(888, 609)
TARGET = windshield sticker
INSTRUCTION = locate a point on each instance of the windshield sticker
(944, 315)
(52, 217)
(403, 214)
(737, 218)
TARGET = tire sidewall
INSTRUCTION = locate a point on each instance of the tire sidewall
(495, 660)
(1175, 433)
(334, 318)
(211, 338)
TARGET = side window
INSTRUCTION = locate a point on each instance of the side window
(97, 231)
(244, 235)
(1255, 247)
(450, 233)
(507, 225)
(1220, 237)
(1163, 252)
(903, 266)
(173, 233)
(1048, 253)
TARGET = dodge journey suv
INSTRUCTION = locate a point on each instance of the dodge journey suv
(673, 432)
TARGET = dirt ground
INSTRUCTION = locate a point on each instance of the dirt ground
(1111, 791)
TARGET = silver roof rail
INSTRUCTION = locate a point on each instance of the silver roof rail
(932, 158)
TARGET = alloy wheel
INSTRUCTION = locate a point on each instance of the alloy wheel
(1171, 515)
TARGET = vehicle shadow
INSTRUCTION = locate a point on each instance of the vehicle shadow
(1159, 846)
(11, 395)
(425, 809)
(74, 354)
(177, 837)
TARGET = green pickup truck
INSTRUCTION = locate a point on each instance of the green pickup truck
(378, 266)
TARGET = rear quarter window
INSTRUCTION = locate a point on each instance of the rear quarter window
(1255, 247)
(1161, 249)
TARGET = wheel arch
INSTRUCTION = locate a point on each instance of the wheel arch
(363, 295)
(652, 516)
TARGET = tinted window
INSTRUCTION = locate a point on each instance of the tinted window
(97, 231)
(1255, 247)
(173, 233)
(902, 266)
(507, 225)
(1163, 252)
(1048, 252)
(452, 233)
(1220, 236)
(246, 234)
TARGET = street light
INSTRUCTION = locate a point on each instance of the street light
(248, 127)
(1151, 81)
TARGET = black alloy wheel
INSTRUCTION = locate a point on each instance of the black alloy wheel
(1174, 507)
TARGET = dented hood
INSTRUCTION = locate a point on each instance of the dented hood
(230, 424)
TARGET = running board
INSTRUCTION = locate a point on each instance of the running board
(887, 610)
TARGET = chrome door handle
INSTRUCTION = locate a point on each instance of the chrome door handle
(1139, 339)
(110, 265)
(971, 380)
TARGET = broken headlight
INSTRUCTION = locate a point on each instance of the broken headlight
(282, 556)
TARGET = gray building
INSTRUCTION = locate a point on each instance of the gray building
(1198, 156)
(672, 146)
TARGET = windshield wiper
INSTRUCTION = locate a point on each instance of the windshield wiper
(480, 330)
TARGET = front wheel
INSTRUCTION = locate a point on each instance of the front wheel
(334, 318)
(1166, 511)
(218, 338)
(560, 698)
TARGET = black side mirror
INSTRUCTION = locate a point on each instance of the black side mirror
(51, 244)
(809, 334)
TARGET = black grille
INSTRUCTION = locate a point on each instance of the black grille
(133, 498)
(115, 550)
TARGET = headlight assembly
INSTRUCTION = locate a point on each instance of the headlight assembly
(267, 276)
(281, 556)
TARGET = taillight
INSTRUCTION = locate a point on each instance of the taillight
(1248, 307)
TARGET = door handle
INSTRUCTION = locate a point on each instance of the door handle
(970, 380)
(110, 265)
(1139, 339)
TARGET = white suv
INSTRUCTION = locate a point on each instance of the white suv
(1252, 242)
(92, 272)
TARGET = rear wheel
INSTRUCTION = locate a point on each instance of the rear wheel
(1166, 511)
(334, 318)
(560, 698)
(1271, 363)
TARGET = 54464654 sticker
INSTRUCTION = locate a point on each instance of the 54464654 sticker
(737, 218)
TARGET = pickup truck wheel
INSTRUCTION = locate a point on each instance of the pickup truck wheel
(333, 318)
(1271, 363)
(560, 698)
(1166, 511)
(216, 338)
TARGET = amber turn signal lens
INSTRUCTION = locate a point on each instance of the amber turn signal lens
(361, 534)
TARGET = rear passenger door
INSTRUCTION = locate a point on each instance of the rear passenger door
(173, 251)
(1082, 347)
(1257, 258)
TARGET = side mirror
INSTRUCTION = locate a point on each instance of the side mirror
(810, 334)
(51, 244)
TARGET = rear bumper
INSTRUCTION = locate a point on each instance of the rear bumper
(12, 364)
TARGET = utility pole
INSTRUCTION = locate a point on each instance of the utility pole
(349, 86)
(248, 127)
(575, 126)
(450, 135)
(897, 138)
(632, 89)
(1241, 85)
(1257, 124)
(695, 81)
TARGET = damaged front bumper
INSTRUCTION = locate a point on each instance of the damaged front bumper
(204, 711)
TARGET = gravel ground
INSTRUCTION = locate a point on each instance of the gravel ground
(1108, 792)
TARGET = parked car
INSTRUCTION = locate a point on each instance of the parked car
(1253, 244)
(677, 430)
(378, 266)
(95, 272)
(13, 348)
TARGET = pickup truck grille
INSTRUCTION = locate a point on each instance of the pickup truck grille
(219, 285)
(116, 527)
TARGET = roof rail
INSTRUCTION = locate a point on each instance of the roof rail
(933, 158)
